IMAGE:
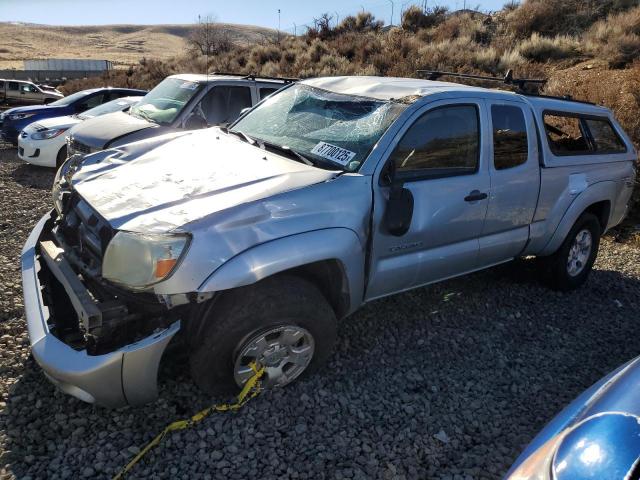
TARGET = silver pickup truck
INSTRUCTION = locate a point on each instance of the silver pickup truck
(249, 244)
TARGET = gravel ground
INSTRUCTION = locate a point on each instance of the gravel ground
(444, 382)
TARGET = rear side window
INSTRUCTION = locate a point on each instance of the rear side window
(223, 104)
(510, 144)
(604, 136)
(265, 92)
(443, 142)
(580, 135)
(13, 86)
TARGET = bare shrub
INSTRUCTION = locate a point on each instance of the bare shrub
(209, 37)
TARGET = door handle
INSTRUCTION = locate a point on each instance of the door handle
(474, 196)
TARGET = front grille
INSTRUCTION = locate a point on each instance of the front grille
(85, 235)
(78, 147)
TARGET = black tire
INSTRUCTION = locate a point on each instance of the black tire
(61, 157)
(217, 335)
(557, 274)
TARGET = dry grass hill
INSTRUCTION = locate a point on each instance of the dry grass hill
(122, 44)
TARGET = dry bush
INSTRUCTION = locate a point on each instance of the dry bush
(415, 19)
(542, 49)
(466, 25)
(561, 17)
(363, 22)
(616, 39)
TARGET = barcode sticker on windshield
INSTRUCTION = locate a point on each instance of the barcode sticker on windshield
(333, 153)
(189, 85)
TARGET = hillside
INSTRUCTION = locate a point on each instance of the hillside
(122, 44)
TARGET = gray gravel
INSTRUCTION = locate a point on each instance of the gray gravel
(444, 382)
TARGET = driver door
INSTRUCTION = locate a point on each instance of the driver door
(441, 157)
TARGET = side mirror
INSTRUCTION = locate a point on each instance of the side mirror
(399, 210)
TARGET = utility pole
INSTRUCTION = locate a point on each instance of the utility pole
(391, 2)
(295, 29)
(278, 25)
(337, 18)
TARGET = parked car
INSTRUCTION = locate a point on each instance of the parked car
(596, 437)
(179, 102)
(254, 241)
(15, 119)
(28, 93)
(44, 143)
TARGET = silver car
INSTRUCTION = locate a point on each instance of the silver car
(250, 244)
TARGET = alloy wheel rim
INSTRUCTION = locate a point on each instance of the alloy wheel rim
(284, 352)
(579, 252)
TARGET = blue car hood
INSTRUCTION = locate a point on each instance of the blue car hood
(35, 109)
(613, 397)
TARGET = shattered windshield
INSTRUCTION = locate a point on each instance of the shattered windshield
(165, 102)
(321, 125)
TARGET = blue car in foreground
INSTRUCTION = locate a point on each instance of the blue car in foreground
(14, 120)
(596, 437)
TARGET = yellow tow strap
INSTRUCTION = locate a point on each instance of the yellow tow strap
(249, 391)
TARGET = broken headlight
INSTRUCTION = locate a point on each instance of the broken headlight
(138, 260)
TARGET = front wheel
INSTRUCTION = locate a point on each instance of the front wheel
(283, 323)
(61, 157)
(570, 266)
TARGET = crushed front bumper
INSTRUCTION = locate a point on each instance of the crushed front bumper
(125, 376)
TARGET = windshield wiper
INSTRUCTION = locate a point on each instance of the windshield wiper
(283, 148)
(241, 134)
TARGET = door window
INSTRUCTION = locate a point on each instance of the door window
(566, 135)
(265, 92)
(605, 138)
(13, 86)
(443, 142)
(91, 102)
(223, 104)
(510, 144)
(25, 87)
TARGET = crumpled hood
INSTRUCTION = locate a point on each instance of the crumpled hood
(188, 177)
(97, 132)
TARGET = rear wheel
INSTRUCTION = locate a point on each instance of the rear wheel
(282, 323)
(61, 157)
(570, 266)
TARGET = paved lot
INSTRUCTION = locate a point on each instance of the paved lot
(444, 382)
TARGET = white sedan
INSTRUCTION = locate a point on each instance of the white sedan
(44, 143)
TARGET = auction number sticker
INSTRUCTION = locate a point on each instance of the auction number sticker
(189, 85)
(333, 153)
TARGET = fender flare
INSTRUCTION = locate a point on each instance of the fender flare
(276, 256)
(598, 192)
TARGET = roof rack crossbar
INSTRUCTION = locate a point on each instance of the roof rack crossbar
(508, 79)
(253, 76)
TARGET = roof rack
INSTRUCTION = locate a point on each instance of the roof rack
(253, 76)
(507, 79)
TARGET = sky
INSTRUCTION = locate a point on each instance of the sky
(293, 13)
